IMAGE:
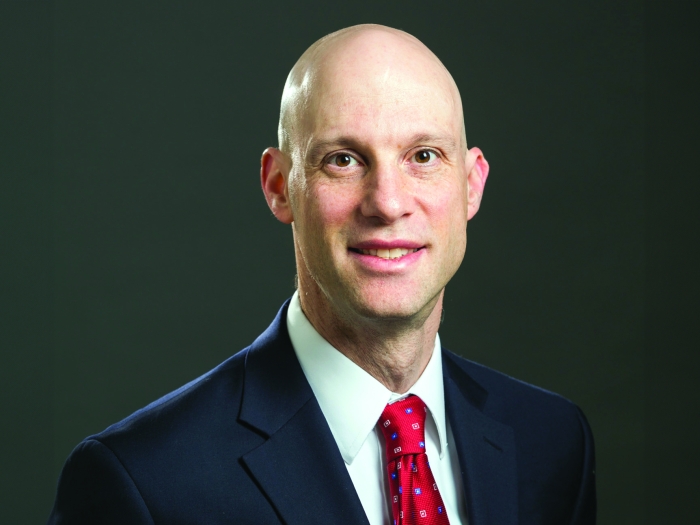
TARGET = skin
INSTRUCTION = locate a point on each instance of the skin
(373, 154)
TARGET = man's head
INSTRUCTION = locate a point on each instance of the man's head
(373, 157)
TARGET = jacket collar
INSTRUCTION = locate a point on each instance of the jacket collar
(486, 449)
(298, 467)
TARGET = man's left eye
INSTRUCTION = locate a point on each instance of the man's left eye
(424, 156)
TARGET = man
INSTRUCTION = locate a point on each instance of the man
(347, 409)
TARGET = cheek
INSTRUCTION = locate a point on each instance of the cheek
(448, 211)
(334, 205)
(323, 213)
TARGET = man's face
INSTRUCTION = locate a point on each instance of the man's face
(378, 184)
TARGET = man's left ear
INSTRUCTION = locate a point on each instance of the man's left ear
(476, 180)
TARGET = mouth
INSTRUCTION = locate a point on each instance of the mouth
(386, 253)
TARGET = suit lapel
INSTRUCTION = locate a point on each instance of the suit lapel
(302, 473)
(299, 466)
(486, 451)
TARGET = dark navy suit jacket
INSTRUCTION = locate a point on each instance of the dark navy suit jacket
(247, 443)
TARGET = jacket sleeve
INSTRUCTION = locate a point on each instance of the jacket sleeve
(95, 488)
(585, 507)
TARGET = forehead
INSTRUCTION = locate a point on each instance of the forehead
(381, 90)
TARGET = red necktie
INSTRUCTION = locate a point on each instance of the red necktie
(415, 498)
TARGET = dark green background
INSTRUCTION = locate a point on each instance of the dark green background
(137, 251)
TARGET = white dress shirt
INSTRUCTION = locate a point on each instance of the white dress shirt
(352, 401)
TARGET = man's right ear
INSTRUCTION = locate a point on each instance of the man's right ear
(274, 174)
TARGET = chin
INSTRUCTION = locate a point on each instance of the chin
(389, 306)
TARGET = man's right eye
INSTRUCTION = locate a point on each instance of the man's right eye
(342, 160)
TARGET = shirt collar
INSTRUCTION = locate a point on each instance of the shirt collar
(351, 399)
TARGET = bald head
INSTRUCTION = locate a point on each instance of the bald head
(360, 69)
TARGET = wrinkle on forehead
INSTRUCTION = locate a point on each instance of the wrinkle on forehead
(364, 61)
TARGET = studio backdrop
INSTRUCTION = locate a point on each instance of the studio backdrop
(154, 256)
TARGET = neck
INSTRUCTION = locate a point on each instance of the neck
(393, 351)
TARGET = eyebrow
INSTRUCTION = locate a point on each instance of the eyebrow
(444, 141)
(318, 148)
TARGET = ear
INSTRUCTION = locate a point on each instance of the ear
(274, 175)
(476, 180)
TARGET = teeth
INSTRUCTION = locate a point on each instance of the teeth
(394, 253)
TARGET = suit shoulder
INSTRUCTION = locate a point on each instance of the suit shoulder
(93, 485)
(553, 441)
(511, 399)
(208, 396)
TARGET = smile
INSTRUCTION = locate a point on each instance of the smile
(393, 253)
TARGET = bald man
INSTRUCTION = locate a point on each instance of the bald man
(347, 409)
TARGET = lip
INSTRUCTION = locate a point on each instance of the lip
(375, 264)
(377, 244)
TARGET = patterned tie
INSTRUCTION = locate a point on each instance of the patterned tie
(415, 498)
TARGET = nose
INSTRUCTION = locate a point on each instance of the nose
(388, 194)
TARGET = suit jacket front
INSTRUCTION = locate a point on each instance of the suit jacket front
(247, 443)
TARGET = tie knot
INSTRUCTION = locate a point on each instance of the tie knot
(402, 424)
